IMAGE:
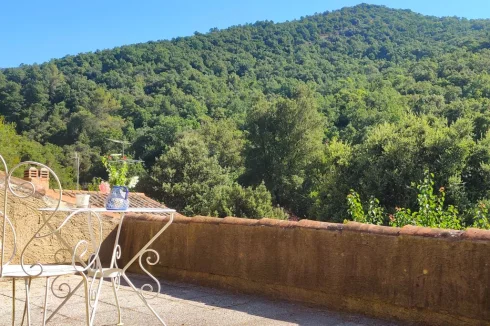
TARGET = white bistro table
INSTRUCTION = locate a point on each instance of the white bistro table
(114, 272)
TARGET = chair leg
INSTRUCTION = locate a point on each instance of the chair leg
(87, 299)
(24, 313)
(64, 302)
(97, 295)
(13, 302)
(119, 323)
(27, 306)
(45, 310)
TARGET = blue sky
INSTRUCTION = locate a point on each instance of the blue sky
(33, 31)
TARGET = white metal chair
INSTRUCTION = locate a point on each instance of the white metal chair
(75, 257)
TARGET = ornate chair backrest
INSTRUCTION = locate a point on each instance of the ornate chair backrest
(30, 193)
(5, 220)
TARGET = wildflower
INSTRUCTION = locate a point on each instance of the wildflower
(441, 189)
(397, 208)
(133, 181)
(104, 187)
(392, 218)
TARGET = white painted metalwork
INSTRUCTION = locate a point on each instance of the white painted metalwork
(105, 210)
(114, 272)
(79, 259)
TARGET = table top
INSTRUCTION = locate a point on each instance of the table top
(105, 210)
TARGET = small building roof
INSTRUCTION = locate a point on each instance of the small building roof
(98, 199)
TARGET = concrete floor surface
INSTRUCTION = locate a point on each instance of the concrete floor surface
(178, 304)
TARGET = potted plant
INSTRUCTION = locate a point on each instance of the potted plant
(118, 184)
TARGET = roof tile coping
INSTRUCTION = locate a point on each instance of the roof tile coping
(99, 197)
(408, 230)
(39, 190)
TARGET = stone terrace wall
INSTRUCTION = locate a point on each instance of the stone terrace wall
(27, 220)
(428, 276)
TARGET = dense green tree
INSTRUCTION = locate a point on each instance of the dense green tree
(285, 140)
(195, 183)
(334, 180)
(226, 142)
(362, 98)
(188, 175)
(15, 148)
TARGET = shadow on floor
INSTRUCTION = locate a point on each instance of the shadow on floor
(277, 312)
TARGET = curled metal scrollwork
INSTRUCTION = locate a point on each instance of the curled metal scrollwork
(117, 281)
(62, 255)
(24, 189)
(14, 249)
(145, 288)
(78, 257)
(92, 292)
(26, 192)
(32, 269)
(77, 254)
(117, 253)
(61, 290)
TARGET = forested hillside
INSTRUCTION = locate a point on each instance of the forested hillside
(243, 120)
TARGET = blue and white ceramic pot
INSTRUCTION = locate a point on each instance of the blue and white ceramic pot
(118, 198)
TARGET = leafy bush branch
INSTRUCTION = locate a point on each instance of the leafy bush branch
(432, 211)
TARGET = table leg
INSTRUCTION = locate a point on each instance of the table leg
(116, 252)
(144, 249)
(138, 256)
(140, 295)
(114, 289)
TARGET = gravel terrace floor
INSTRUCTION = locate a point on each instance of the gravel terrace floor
(179, 304)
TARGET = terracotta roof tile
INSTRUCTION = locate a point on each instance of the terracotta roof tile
(98, 199)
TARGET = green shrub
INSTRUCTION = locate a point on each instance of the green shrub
(431, 210)
(481, 217)
(375, 214)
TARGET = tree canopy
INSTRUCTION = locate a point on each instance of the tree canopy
(292, 114)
